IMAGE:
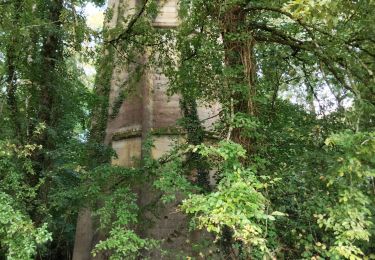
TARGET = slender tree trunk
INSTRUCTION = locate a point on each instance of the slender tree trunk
(11, 79)
(52, 55)
(11, 82)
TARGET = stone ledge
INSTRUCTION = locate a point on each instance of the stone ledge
(117, 136)
(162, 131)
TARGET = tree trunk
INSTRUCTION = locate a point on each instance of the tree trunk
(11, 79)
(240, 53)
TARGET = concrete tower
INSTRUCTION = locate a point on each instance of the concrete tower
(149, 110)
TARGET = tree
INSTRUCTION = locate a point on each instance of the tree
(44, 105)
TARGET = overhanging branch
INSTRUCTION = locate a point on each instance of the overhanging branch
(130, 26)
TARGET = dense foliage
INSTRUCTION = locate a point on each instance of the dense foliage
(304, 186)
(288, 171)
(44, 107)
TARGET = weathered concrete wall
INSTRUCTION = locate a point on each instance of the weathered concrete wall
(168, 14)
(150, 109)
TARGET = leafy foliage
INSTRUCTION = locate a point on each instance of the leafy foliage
(236, 201)
(350, 217)
(17, 232)
(19, 236)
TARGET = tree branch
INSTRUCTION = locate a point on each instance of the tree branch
(131, 24)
